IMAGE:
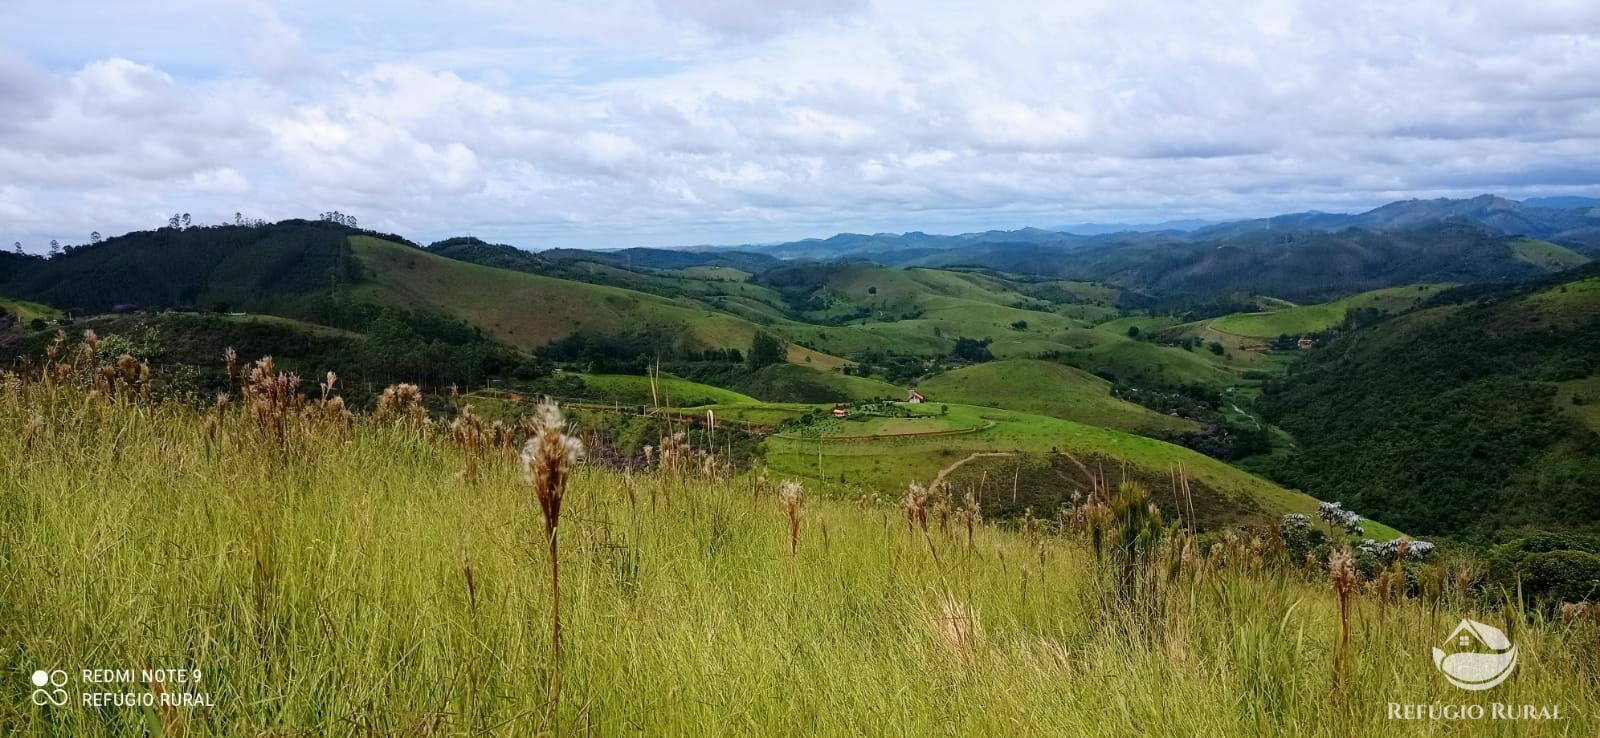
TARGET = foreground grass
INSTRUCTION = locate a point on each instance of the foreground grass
(373, 580)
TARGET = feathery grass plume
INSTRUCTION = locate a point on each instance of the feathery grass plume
(271, 396)
(231, 357)
(401, 403)
(327, 385)
(1342, 570)
(915, 503)
(792, 496)
(52, 352)
(548, 459)
(468, 433)
(941, 510)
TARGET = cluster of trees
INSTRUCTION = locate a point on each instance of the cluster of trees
(1549, 568)
(334, 216)
(634, 352)
(972, 350)
(893, 368)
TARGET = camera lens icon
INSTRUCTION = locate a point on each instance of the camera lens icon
(44, 695)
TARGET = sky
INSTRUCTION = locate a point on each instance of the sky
(678, 122)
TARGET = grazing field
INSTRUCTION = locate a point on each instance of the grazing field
(26, 311)
(867, 466)
(1302, 319)
(1547, 255)
(1047, 388)
(669, 391)
(335, 574)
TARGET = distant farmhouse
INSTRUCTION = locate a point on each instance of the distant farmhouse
(1306, 343)
(914, 397)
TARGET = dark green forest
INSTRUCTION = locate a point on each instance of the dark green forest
(1444, 420)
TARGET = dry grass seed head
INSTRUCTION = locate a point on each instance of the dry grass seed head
(548, 458)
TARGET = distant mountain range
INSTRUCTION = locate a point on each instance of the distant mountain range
(1307, 256)
(1563, 219)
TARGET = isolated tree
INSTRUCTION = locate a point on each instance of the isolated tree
(173, 221)
(766, 349)
(238, 218)
(351, 221)
(94, 237)
(16, 246)
(55, 248)
(186, 220)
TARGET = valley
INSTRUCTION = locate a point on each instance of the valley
(816, 359)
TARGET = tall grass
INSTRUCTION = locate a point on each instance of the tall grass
(335, 575)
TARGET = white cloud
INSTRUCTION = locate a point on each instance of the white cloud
(665, 121)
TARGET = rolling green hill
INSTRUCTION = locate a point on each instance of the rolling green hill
(1303, 319)
(1546, 255)
(669, 391)
(528, 310)
(1070, 454)
(1046, 388)
(259, 269)
(797, 383)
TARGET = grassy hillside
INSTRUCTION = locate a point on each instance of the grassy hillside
(390, 579)
(669, 391)
(1443, 420)
(1108, 350)
(1303, 319)
(950, 433)
(797, 383)
(1046, 388)
(1547, 255)
(528, 311)
(25, 311)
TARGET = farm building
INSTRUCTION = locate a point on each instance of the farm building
(914, 397)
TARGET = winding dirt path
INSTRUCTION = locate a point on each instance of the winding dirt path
(938, 481)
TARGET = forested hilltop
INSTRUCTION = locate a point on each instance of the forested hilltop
(1469, 414)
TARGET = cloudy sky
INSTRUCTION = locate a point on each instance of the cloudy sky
(658, 122)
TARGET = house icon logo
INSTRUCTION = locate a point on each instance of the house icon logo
(1482, 656)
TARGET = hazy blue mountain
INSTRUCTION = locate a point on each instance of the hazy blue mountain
(1489, 211)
